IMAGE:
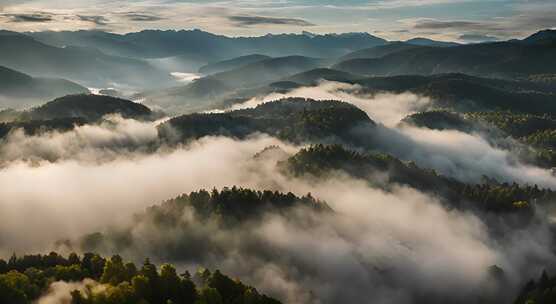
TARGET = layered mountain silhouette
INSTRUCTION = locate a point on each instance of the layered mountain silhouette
(86, 65)
(19, 90)
(159, 44)
(234, 63)
(533, 55)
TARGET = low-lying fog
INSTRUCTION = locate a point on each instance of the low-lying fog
(387, 246)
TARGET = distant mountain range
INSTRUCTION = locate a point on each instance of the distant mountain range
(239, 67)
(84, 65)
(514, 59)
(160, 44)
(19, 90)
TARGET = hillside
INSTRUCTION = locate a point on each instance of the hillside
(224, 88)
(226, 65)
(323, 161)
(28, 278)
(19, 90)
(199, 95)
(269, 70)
(37, 127)
(312, 77)
(293, 119)
(500, 59)
(85, 65)
(193, 43)
(541, 37)
(465, 93)
(379, 51)
(90, 107)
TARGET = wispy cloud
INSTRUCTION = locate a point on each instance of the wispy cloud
(142, 17)
(34, 17)
(98, 20)
(261, 20)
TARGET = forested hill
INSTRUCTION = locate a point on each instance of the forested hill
(88, 106)
(25, 279)
(499, 59)
(323, 161)
(293, 119)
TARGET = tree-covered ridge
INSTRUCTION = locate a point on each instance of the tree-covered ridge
(501, 59)
(35, 127)
(537, 133)
(440, 120)
(464, 93)
(87, 106)
(293, 119)
(64, 113)
(24, 279)
(490, 195)
(541, 291)
(229, 208)
(230, 205)
(543, 139)
(514, 124)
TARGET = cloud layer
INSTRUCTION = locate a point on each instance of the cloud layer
(394, 19)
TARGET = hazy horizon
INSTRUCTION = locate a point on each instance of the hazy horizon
(446, 20)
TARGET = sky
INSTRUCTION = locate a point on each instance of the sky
(454, 20)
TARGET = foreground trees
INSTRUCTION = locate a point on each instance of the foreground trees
(25, 279)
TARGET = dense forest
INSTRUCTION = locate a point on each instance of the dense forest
(294, 119)
(487, 194)
(24, 279)
(536, 133)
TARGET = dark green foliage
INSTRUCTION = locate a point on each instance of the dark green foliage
(90, 107)
(321, 160)
(464, 93)
(542, 138)
(36, 127)
(440, 120)
(537, 133)
(515, 124)
(231, 205)
(24, 279)
(293, 119)
(183, 222)
(542, 291)
(506, 197)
